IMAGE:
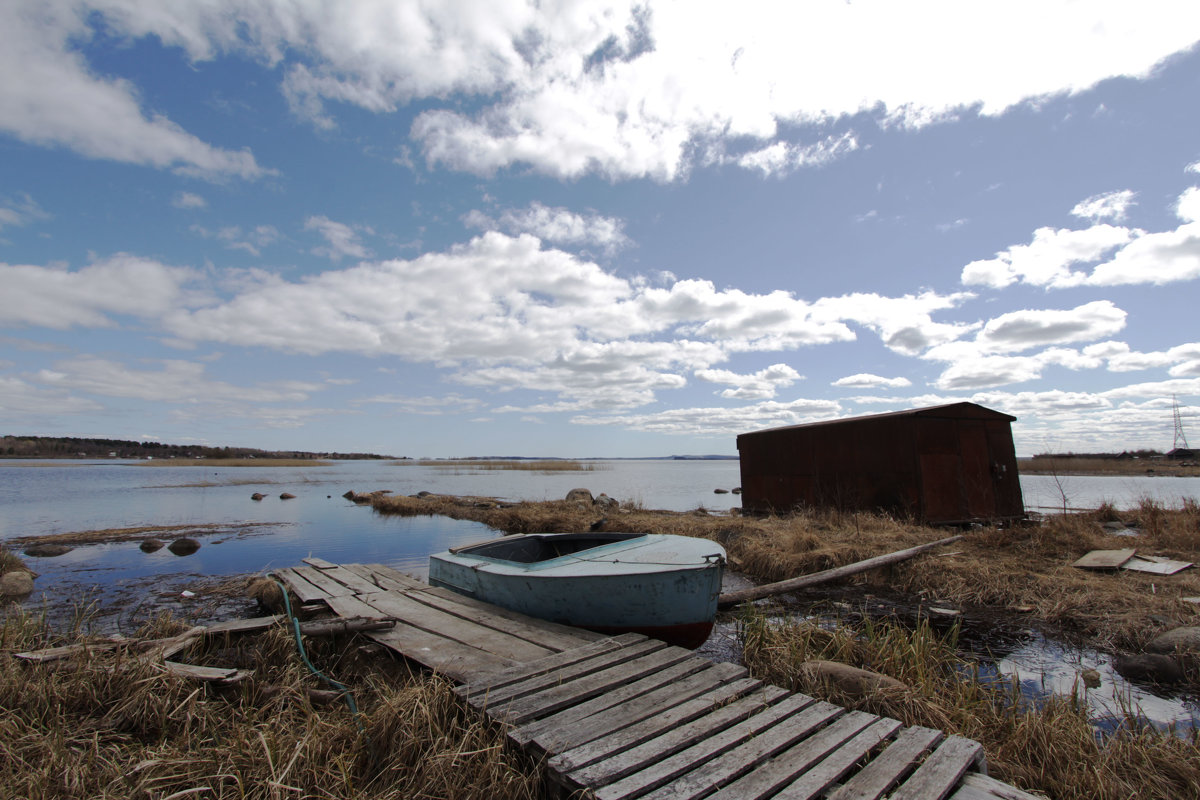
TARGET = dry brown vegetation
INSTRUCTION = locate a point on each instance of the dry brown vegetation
(138, 533)
(468, 465)
(1026, 566)
(1051, 748)
(1049, 465)
(232, 462)
(107, 727)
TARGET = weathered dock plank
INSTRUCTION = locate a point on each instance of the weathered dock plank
(304, 590)
(890, 766)
(317, 578)
(942, 770)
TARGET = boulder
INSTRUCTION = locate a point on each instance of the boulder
(18, 583)
(184, 547)
(580, 496)
(720, 491)
(1090, 678)
(46, 550)
(287, 496)
(151, 545)
(349, 495)
(257, 496)
(1180, 639)
(848, 679)
(1150, 667)
(606, 503)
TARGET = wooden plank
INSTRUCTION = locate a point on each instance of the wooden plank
(1157, 566)
(252, 625)
(396, 576)
(451, 658)
(1105, 559)
(221, 674)
(382, 581)
(618, 754)
(885, 770)
(163, 649)
(569, 693)
(820, 777)
(48, 654)
(351, 580)
(483, 684)
(579, 669)
(317, 578)
(779, 744)
(682, 771)
(305, 591)
(940, 773)
(448, 626)
(619, 709)
(550, 635)
(319, 563)
(981, 787)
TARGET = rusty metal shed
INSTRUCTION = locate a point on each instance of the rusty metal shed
(942, 465)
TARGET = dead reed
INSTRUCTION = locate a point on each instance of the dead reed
(110, 727)
(232, 462)
(1105, 466)
(465, 466)
(1048, 747)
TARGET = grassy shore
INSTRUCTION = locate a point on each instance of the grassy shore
(464, 466)
(1064, 466)
(232, 462)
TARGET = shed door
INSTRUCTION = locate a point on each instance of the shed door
(941, 485)
(977, 474)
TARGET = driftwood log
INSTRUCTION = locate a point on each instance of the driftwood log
(804, 581)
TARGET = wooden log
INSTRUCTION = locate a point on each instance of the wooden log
(338, 626)
(804, 581)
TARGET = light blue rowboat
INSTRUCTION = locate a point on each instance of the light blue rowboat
(661, 585)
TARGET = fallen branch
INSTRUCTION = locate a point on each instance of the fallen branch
(804, 581)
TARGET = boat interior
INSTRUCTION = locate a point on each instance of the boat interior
(535, 547)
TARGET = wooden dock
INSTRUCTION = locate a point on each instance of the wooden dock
(631, 717)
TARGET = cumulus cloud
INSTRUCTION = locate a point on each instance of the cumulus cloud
(1111, 205)
(761, 385)
(426, 405)
(719, 422)
(50, 96)
(22, 402)
(342, 239)
(251, 240)
(557, 225)
(621, 89)
(1047, 260)
(60, 298)
(865, 380)
(905, 324)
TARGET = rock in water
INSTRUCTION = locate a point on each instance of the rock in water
(1090, 678)
(257, 496)
(46, 550)
(1149, 667)
(151, 545)
(184, 546)
(16, 584)
(287, 496)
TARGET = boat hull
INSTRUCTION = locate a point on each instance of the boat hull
(663, 586)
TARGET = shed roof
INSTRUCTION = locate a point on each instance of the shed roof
(948, 411)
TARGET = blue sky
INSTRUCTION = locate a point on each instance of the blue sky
(595, 229)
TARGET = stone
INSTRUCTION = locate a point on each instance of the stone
(1179, 639)
(737, 490)
(720, 491)
(1090, 678)
(349, 495)
(287, 496)
(1150, 667)
(16, 584)
(184, 547)
(257, 496)
(580, 496)
(151, 545)
(606, 503)
(850, 680)
(46, 550)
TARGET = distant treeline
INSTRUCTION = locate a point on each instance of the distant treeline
(1123, 454)
(70, 447)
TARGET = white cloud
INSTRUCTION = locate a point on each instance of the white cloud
(905, 324)
(16, 212)
(49, 96)
(865, 380)
(1111, 205)
(22, 402)
(719, 422)
(1048, 258)
(188, 200)
(1021, 330)
(622, 89)
(427, 405)
(119, 285)
(557, 225)
(761, 385)
(343, 239)
(781, 158)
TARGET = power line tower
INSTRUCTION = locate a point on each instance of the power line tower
(1180, 439)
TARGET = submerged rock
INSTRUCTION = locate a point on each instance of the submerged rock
(184, 547)
(46, 550)
(1150, 667)
(257, 496)
(720, 491)
(1090, 678)
(287, 496)
(18, 583)
(1180, 639)
(151, 545)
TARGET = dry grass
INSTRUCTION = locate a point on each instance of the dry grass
(232, 462)
(466, 466)
(1105, 466)
(1024, 566)
(138, 533)
(110, 728)
(1051, 748)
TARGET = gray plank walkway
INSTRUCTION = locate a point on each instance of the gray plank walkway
(631, 717)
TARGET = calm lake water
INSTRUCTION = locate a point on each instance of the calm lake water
(48, 497)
